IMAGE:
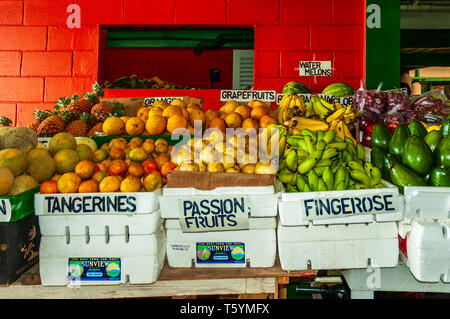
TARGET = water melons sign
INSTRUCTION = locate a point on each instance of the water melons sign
(168, 99)
(324, 207)
(213, 213)
(5, 210)
(247, 95)
(315, 68)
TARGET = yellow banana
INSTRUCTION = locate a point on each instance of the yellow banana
(334, 124)
(335, 115)
(348, 133)
(322, 111)
(285, 101)
(340, 130)
(338, 106)
(311, 124)
(326, 104)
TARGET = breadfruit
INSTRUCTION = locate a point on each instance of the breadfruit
(22, 138)
(23, 183)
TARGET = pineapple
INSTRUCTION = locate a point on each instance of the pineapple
(78, 105)
(96, 128)
(100, 111)
(80, 127)
(4, 121)
(53, 124)
(39, 117)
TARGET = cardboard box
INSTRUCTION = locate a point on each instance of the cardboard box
(209, 181)
(19, 248)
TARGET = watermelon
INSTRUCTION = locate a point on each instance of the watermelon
(339, 90)
(295, 87)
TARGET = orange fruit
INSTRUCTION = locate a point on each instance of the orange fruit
(136, 169)
(135, 126)
(149, 147)
(138, 154)
(88, 186)
(217, 123)
(125, 119)
(266, 120)
(117, 142)
(233, 120)
(166, 167)
(161, 141)
(117, 153)
(99, 156)
(161, 159)
(197, 115)
(250, 124)
(109, 184)
(193, 106)
(56, 177)
(85, 169)
(244, 111)
(49, 187)
(117, 167)
(185, 113)
(161, 148)
(152, 181)
(69, 183)
(130, 184)
(257, 103)
(156, 124)
(178, 102)
(98, 176)
(230, 106)
(172, 110)
(176, 122)
(142, 113)
(210, 114)
(113, 126)
(258, 112)
(155, 111)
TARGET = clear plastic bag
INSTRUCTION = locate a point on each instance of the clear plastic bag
(431, 107)
(370, 103)
(394, 115)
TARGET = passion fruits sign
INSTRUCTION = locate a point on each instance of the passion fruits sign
(213, 213)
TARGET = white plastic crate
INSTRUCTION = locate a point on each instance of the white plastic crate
(259, 244)
(427, 202)
(97, 203)
(338, 246)
(425, 248)
(262, 200)
(349, 206)
(141, 258)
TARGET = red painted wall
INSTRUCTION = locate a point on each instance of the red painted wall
(178, 65)
(42, 59)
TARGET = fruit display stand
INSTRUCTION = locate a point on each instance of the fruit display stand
(19, 236)
(256, 211)
(314, 231)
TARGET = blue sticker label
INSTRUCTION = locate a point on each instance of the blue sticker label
(94, 269)
(220, 253)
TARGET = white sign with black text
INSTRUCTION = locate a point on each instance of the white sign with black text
(168, 99)
(247, 95)
(213, 213)
(5, 210)
(315, 68)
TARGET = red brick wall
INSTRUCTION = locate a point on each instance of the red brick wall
(42, 59)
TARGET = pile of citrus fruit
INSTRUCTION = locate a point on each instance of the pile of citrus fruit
(117, 166)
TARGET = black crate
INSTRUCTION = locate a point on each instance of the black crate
(19, 248)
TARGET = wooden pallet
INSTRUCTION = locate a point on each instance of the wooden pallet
(241, 283)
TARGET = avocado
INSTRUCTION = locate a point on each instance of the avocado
(381, 137)
(445, 127)
(442, 152)
(376, 157)
(440, 176)
(397, 142)
(417, 155)
(388, 161)
(402, 176)
(432, 139)
(417, 128)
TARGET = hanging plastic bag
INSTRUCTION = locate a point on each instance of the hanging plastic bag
(431, 107)
(370, 103)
